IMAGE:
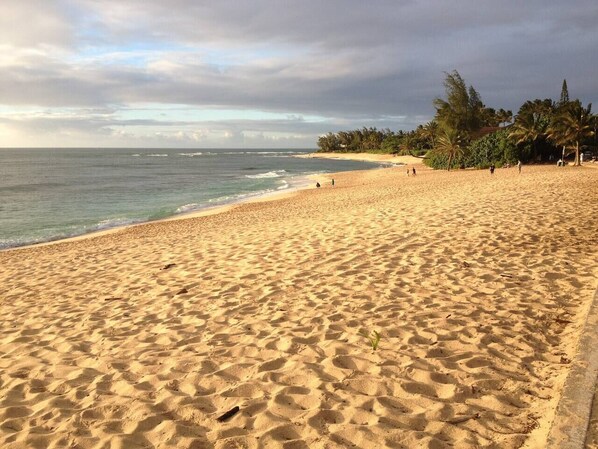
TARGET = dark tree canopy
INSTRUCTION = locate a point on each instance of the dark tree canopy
(564, 94)
(466, 133)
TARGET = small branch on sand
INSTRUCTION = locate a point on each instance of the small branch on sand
(232, 412)
(562, 321)
(462, 419)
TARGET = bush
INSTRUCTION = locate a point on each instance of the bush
(439, 161)
(495, 148)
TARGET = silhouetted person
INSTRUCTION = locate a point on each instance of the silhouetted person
(413, 171)
(332, 182)
(492, 169)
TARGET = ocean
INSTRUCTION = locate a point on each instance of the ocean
(51, 194)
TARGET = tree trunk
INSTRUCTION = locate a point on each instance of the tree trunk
(449, 162)
(577, 162)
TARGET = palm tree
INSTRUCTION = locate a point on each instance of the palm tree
(451, 143)
(531, 123)
(429, 131)
(571, 126)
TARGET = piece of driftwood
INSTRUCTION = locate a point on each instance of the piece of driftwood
(232, 412)
(461, 419)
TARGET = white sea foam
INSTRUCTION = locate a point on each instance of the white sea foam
(157, 155)
(274, 152)
(113, 223)
(270, 174)
(187, 208)
(191, 154)
(136, 155)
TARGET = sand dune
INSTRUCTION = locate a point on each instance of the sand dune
(142, 338)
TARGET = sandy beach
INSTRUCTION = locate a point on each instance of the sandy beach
(478, 285)
(369, 157)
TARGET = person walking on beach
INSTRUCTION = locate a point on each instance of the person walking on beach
(519, 166)
(492, 169)
(408, 171)
(332, 182)
(413, 171)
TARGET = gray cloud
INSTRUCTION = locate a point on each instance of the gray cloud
(350, 62)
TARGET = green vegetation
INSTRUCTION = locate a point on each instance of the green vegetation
(571, 126)
(466, 133)
(373, 338)
(372, 140)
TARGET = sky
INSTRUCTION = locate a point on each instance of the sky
(273, 73)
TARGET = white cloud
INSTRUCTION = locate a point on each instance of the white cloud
(347, 61)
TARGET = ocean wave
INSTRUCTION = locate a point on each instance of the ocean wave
(112, 223)
(274, 152)
(187, 208)
(136, 155)
(191, 154)
(270, 174)
(261, 153)
(157, 155)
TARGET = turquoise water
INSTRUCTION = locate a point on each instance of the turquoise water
(49, 194)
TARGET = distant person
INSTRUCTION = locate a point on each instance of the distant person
(317, 185)
(519, 166)
(332, 182)
(581, 159)
(492, 167)
(413, 171)
(408, 171)
(559, 163)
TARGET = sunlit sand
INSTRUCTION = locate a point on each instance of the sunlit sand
(477, 284)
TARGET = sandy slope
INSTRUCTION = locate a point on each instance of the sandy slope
(370, 157)
(477, 284)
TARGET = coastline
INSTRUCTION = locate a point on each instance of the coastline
(203, 212)
(294, 184)
(479, 295)
(367, 157)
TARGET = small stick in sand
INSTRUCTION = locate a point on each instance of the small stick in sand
(170, 265)
(232, 412)
(461, 419)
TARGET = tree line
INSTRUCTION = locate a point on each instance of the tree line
(467, 133)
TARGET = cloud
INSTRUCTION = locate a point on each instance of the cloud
(346, 61)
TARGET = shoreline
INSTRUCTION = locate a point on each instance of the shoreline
(479, 295)
(366, 157)
(295, 184)
(202, 212)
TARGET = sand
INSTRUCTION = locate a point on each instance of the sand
(369, 157)
(592, 436)
(142, 338)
